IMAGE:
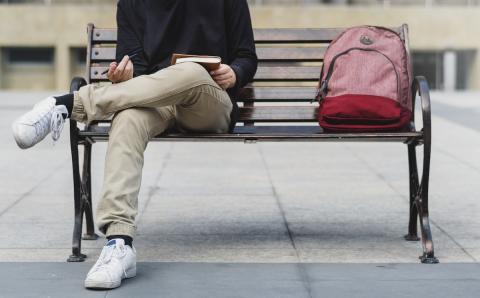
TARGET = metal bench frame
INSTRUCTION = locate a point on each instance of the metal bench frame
(284, 56)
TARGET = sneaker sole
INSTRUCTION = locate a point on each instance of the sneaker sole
(102, 285)
(110, 285)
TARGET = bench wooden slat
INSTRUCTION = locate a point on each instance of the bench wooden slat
(264, 73)
(291, 54)
(309, 35)
(272, 114)
(277, 94)
(313, 35)
(106, 35)
(264, 54)
(109, 35)
(270, 133)
(104, 54)
(320, 35)
(96, 73)
(279, 114)
(288, 73)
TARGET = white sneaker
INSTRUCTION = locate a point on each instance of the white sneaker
(34, 126)
(116, 262)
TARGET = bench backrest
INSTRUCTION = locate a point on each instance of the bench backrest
(289, 68)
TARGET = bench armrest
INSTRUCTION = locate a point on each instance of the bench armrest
(420, 87)
(77, 83)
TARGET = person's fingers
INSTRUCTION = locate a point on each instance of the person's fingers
(123, 76)
(121, 66)
(220, 71)
(129, 64)
(111, 69)
(223, 77)
(224, 80)
(128, 72)
(129, 67)
(224, 83)
(226, 77)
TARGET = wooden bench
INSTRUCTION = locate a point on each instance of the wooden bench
(275, 107)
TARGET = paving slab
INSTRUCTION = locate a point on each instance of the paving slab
(250, 280)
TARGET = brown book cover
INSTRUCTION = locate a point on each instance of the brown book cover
(209, 62)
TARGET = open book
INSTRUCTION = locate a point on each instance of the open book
(209, 62)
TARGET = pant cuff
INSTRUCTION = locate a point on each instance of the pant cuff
(120, 229)
(78, 111)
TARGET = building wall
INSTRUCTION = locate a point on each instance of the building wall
(63, 27)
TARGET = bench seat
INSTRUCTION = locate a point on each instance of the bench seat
(269, 133)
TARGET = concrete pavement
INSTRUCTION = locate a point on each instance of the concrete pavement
(263, 203)
(280, 280)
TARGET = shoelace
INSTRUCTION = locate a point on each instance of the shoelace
(106, 257)
(41, 125)
(57, 121)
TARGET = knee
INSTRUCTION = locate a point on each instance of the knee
(196, 72)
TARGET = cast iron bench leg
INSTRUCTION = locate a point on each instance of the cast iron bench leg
(413, 174)
(76, 256)
(428, 256)
(419, 189)
(87, 195)
(82, 189)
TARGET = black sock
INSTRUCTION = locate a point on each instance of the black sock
(66, 100)
(128, 240)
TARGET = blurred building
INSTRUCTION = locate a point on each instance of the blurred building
(42, 42)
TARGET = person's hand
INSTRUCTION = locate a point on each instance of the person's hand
(224, 76)
(121, 72)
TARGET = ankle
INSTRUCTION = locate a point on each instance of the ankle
(127, 239)
(67, 101)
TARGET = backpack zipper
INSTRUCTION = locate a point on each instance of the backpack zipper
(323, 90)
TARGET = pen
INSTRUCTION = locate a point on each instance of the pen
(129, 56)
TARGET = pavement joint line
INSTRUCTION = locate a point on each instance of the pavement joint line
(454, 241)
(31, 190)
(155, 189)
(301, 268)
(434, 223)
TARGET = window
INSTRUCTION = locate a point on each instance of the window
(24, 55)
(445, 70)
(430, 65)
(79, 56)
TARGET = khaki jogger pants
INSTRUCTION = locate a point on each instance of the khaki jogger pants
(144, 107)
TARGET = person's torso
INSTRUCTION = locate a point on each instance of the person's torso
(185, 27)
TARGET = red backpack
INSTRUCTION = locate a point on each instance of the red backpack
(365, 82)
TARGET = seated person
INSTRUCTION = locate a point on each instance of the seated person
(149, 96)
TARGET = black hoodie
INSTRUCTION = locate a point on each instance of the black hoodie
(159, 28)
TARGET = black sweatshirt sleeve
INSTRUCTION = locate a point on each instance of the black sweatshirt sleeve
(241, 44)
(130, 35)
